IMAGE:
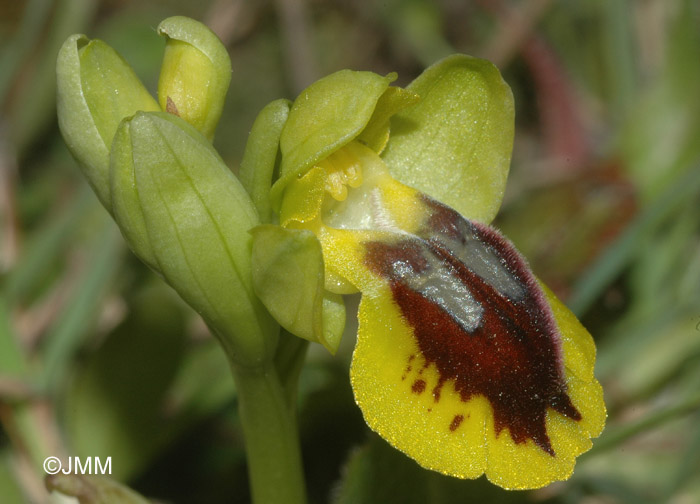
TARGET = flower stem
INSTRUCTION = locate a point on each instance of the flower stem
(271, 437)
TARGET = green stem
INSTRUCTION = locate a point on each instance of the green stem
(271, 437)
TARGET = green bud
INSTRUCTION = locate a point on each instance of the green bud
(182, 210)
(96, 89)
(288, 277)
(195, 74)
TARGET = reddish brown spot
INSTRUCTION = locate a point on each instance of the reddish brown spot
(456, 422)
(409, 367)
(512, 358)
(418, 387)
(170, 107)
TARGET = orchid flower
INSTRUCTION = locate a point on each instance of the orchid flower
(464, 360)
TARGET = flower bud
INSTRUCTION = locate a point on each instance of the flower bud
(195, 74)
(96, 89)
(183, 211)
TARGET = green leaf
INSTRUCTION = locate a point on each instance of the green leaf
(260, 156)
(197, 217)
(324, 117)
(96, 89)
(455, 144)
(288, 277)
(195, 74)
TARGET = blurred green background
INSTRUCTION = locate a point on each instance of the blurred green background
(99, 358)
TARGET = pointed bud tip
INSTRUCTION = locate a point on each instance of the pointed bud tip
(195, 73)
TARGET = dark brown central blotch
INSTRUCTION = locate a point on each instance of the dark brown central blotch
(512, 355)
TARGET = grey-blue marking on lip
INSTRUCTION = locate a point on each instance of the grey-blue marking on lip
(438, 283)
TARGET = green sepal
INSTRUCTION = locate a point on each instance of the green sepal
(260, 156)
(126, 207)
(455, 144)
(96, 89)
(197, 216)
(288, 277)
(325, 116)
(376, 133)
(195, 73)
